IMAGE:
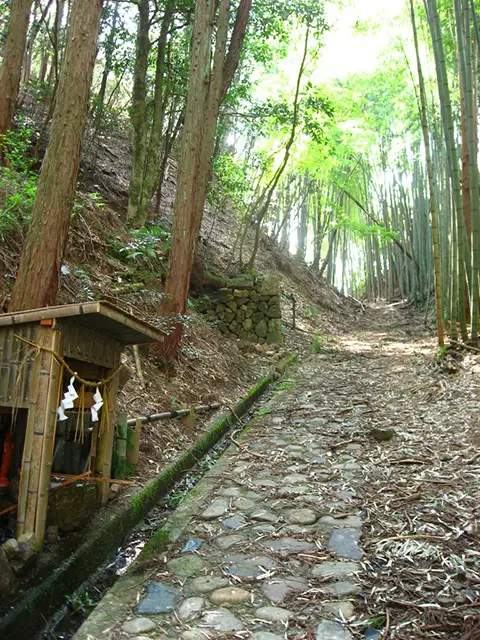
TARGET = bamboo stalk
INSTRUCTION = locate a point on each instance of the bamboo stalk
(168, 415)
(133, 447)
(52, 403)
(39, 387)
(103, 462)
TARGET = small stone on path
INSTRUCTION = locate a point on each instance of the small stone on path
(225, 542)
(335, 569)
(340, 608)
(221, 620)
(263, 515)
(345, 543)
(341, 589)
(253, 561)
(273, 614)
(383, 435)
(266, 635)
(186, 566)
(329, 630)
(229, 595)
(293, 490)
(195, 634)
(192, 544)
(301, 516)
(348, 521)
(244, 504)
(139, 625)
(277, 590)
(160, 599)
(205, 584)
(190, 608)
(232, 492)
(266, 482)
(288, 546)
(295, 478)
(218, 508)
(235, 522)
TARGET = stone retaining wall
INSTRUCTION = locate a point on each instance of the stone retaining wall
(251, 312)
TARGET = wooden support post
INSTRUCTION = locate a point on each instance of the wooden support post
(133, 442)
(40, 438)
(103, 461)
(121, 444)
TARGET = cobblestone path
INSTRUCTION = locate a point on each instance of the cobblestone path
(268, 545)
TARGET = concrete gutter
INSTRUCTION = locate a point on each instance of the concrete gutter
(30, 614)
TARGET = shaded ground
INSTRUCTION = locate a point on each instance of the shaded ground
(311, 528)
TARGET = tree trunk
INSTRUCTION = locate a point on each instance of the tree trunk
(302, 230)
(42, 257)
(266, 197)
(13, 53)
(206, 90)
(451, 145)
(139, 111)
(109, 50)
(152, 159)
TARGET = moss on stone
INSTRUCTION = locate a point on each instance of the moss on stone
(157, 544)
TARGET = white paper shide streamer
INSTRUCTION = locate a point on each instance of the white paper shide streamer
(97, 396)
(68, 399)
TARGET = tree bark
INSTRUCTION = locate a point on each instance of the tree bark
(42, 257)
(139, 111)
(206, 89)
(13, 54)
(109, 50)
(152, 159)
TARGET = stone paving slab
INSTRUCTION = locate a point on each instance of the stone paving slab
(266, 546)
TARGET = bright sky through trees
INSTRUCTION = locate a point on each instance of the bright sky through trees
(360, 31)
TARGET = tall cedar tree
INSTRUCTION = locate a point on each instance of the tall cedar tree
(211, 74)
(42, 257)
(11, 70)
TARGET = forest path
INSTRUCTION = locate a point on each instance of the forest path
(318, 527)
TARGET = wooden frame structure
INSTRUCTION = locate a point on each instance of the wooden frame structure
(39, 349)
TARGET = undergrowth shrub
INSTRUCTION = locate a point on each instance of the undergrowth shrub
(317, 342)
(18, 184)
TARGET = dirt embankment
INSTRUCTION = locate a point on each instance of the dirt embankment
(104, 261)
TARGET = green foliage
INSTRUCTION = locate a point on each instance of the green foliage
(361, 230)
(18, 184)
(286, 384)
(232, 179)
(312, 312)
(80, 602)
(148, 244)
(317, 342)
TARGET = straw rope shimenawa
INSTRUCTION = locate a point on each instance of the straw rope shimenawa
(104, 419)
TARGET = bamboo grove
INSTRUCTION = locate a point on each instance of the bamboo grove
(370, 177)
(390, 208)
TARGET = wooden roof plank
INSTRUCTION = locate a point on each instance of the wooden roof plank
(102, 316)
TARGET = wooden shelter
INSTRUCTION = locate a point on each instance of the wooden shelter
(42, 352)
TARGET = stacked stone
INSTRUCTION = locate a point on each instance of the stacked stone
(251, 312)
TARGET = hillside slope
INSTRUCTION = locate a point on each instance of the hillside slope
(104, 261)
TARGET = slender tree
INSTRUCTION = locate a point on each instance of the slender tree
(209, 80)
(42, 257)
(13, 55)
(431, 184)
